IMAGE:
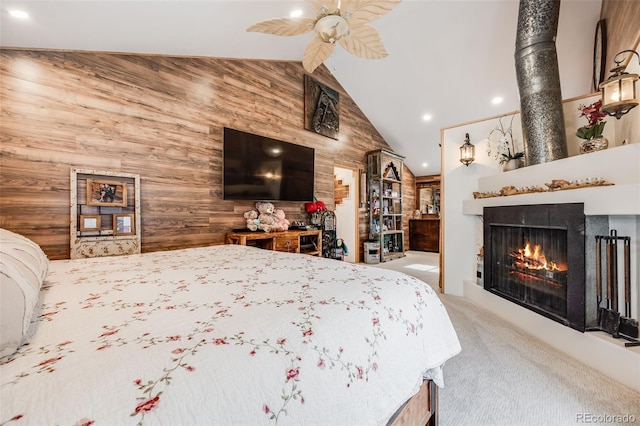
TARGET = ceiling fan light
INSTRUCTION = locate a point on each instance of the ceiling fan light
(331, 28)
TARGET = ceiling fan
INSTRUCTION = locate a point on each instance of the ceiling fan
(343, 21)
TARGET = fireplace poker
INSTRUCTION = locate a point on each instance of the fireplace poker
(609, 317)
(628, 326)
(627, 278)
(598, 273)
(614, 270)
(607, 270)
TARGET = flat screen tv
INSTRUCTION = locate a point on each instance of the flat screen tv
(264, 169)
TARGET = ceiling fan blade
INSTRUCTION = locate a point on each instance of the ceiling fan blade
(283, 26)
(364, 41)
(361, 12)
(330, 5)
(315, 54)
(348, 6)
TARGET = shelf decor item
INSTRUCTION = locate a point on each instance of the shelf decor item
(90, 222)
(592, 132)
(501, 145)
(111, 193)
(123, 224)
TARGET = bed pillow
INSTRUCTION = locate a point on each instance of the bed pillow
(23, 267)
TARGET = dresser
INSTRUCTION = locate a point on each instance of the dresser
(424, 234)
(294, 241)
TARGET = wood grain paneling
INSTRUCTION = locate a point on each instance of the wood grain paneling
(408, 203)
(623, 28)
(162, 118)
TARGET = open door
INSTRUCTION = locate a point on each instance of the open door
(346, 199)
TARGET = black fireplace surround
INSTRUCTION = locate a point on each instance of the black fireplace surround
(534, 255)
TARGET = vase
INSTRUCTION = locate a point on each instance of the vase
(595, 144)
(512, 164)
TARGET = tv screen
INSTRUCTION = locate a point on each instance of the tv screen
(264, 169)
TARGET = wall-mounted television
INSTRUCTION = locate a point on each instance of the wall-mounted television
(264, 169)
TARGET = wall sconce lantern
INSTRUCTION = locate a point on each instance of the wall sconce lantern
(467, 151)
(619, 90)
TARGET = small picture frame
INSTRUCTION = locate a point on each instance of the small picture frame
(110, 193)
(90, 222)
(123, 224)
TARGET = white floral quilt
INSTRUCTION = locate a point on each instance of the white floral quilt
(224, 335)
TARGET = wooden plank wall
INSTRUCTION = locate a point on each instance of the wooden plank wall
(408, 201)
(623, 29)
(163, 118)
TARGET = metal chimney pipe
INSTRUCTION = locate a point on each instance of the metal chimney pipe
(539, 81)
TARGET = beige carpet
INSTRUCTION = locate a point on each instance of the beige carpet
(504, 376)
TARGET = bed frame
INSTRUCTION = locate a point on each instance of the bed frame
(420, 410)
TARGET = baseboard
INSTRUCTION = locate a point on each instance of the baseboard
(596, 349)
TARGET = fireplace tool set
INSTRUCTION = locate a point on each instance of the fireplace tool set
(610, 318)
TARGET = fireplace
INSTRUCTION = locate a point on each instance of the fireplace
(534, 256)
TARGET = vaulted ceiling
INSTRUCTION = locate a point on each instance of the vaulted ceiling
(447, 58)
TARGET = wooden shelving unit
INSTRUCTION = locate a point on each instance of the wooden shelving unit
(384, 189)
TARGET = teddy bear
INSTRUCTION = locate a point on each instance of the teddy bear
(251, 217)
(267, 221)
(281, 219)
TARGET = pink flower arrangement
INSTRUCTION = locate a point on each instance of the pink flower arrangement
(595, 117)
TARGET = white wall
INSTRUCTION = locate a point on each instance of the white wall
(458, 184)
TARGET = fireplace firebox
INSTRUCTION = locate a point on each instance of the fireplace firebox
(534, 256)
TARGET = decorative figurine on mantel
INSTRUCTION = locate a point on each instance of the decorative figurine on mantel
(554, 185)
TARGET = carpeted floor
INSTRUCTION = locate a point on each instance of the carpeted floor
(503, 376)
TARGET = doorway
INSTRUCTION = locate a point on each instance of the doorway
(346, 198)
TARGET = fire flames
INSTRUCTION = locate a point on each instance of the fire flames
(528, 258)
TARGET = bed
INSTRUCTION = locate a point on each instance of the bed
(220, 335)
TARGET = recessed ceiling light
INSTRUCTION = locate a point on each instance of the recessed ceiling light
(425, 164)
(427, 117)
(497, 100)
(295, 13)
(21, 14)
